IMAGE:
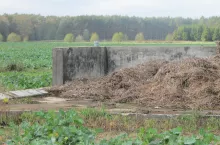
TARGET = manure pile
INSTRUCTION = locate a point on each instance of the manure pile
(192, 83)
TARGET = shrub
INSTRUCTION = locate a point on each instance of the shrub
(13, 37)
(118, 37)
(79, 38)
(69, 37)
(94, 37)
(1, 37)
(139, 37)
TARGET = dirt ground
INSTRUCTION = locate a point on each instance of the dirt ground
(191, 83)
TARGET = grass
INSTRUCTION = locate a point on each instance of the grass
(29, 64)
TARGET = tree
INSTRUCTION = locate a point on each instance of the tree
(79, 38)
(118, 37)
(216, 34)
(206, 34)
(139, 37)
(69, 37)
(1, 37)
(24, 25)
(86, 34)
(13, 37)
(185, 36)
(65, 26)
(94, 37)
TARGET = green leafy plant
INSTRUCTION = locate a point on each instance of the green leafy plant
(62, 128)
(175, 136)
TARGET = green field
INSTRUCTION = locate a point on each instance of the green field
(29, 64)
(98, 127)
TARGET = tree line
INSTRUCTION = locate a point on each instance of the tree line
(195, 33)
(27, 27)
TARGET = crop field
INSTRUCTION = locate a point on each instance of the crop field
(97, 127)
(29, 64)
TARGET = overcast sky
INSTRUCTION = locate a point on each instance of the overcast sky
(143, 8)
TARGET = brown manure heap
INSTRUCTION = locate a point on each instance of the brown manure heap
(192, 83)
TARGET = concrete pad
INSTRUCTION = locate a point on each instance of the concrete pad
(20, 94)
(43, 92)
(3, 96)
(28, 93)
(34, 92)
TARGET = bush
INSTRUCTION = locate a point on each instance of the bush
(94, 37)
(139, 37)
(118, 37)
(1, 37)
(13, 37)
(69, 37)
(79, 38)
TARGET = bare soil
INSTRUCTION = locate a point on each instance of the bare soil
(186, 84)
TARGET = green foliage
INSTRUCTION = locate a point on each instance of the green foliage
(139, 37)
(63, 128)
(1, 38)
(13, 37)
(79, 38)
(26, 80)
(94, 37)
(174, 136)
(55, 28)
(118, 37)
(69, 37)
(206, 35)
(216, 34)
(122, 139)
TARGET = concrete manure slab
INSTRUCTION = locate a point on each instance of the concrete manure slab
(28, 93)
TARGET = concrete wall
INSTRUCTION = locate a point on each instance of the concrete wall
(120, 57)
(93, 62)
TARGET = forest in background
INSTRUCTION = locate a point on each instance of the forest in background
(37, 28)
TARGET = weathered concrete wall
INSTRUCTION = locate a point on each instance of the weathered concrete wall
(81, 62)
(93, 62)
(120, 57)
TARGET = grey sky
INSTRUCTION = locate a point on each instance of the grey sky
(143, 8)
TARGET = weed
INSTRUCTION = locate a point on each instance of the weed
(6, 100)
